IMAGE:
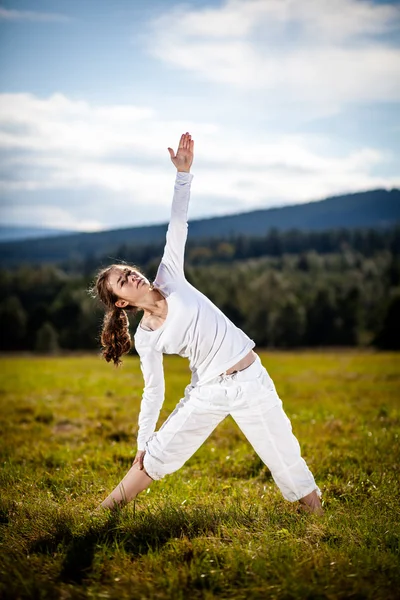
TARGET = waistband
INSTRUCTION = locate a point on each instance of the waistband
(246, 374)
(257, 359)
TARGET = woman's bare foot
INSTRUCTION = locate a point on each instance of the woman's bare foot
(311, 503)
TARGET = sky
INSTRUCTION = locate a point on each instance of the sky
(287, 102)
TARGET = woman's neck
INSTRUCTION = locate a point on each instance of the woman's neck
(154, 304)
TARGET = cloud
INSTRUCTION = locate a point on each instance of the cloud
(28, 15)
(113, 161)
(315, 53)
(45, 215)
(324, 19)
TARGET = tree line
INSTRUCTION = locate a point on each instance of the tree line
(285, 289)
(275, 243)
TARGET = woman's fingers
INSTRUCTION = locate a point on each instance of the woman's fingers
(185, 141)
(139, 459)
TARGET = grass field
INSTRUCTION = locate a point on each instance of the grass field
(219, 527)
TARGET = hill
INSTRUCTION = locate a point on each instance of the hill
(376, 208)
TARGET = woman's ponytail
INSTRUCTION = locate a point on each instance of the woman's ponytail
(115, 336)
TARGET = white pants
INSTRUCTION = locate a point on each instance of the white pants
(249, 396)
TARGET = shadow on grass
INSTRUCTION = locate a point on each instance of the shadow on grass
(138, 534)
(250, 468)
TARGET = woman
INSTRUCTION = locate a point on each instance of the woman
(227, 375)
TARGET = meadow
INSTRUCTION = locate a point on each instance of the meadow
(219, 527)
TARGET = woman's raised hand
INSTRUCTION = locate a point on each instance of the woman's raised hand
(184, 156)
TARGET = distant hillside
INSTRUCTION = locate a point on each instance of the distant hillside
(377, 208)
(10, 233)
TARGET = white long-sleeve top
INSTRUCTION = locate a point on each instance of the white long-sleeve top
(194, 327)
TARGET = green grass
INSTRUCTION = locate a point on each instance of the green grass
(219, 527)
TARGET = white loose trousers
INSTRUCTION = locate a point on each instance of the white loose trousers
(249, 396)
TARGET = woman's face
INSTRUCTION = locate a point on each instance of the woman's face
(129, 285)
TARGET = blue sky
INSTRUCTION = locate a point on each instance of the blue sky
(287, 101)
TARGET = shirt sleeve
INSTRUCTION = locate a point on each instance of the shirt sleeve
(151, 364)
(171, 266)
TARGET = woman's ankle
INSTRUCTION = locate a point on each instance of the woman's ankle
(311, 503)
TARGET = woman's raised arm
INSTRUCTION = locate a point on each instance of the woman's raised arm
(171, 266)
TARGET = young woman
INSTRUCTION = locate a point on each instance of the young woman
(227, 375)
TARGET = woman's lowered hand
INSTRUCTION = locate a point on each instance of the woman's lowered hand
(183, 158)
(139, 459)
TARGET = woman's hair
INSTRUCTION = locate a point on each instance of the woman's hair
(115, 337)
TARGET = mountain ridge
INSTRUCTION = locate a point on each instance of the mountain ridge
(375, 208)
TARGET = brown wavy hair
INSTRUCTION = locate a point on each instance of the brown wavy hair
(115, 336)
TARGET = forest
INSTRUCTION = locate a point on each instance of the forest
(286, 289)
(362, 210)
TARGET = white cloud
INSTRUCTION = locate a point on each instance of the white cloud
(48, 216)
(315, 52)
(77, 128)
(58, 144)
(28, 15)
(323, 18)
